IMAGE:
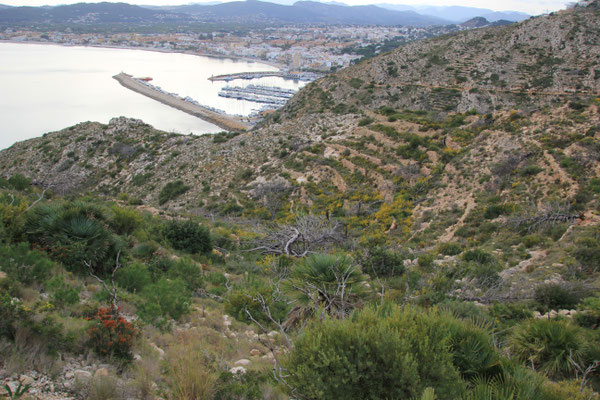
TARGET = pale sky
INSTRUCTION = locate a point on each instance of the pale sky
(529, 6)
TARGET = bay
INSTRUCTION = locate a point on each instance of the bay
(44, 88)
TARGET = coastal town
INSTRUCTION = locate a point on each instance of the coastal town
(306, 48)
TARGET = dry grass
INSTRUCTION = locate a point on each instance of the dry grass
(188, 376)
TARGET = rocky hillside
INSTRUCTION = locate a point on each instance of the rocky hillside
(422, 176)
(538, 62)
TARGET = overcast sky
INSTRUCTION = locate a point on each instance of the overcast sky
(529, 6)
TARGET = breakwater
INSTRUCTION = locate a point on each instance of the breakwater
(186, 105)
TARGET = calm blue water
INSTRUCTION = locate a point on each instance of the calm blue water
(44, 88)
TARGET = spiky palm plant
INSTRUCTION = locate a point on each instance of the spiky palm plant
(74, 233)
(515, 383)
(332, 283)
(549, 346)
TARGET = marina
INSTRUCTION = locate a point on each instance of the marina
(270, 95)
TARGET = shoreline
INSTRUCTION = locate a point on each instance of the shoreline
(223, 121)
(220, 56)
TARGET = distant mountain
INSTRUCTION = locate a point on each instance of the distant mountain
(306, 12)
(87, 13)
(371, 15)
(480, 22)
(459, 14)
(2, 6)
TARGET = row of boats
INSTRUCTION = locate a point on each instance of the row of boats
(271, 95)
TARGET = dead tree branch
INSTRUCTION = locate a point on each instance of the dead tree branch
(113, 294)
(298, 239)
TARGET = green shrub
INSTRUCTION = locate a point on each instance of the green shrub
(242, 299)
(532, 240)
(390, 354)
(19, 182)
(63, 293)
(145, 250)
(557, 296)
(589, 315)
(188, 236)
(124, 220)
(450, 249)
(171, 191)
(133, 277)
(548, 344)
(587, 253)
(164, 299)
(365, 121)
(188, 271)
(25, 265)
(11, 312)
(425, 261)
(479, 256)
(380, 261)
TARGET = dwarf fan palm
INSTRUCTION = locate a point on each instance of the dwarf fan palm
(332, 283)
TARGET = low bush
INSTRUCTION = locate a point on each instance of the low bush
(11, 312)
(25, 265)
(242, 299)
(133, 277)
(479, 256)
(124, 220)
(589, 315)
(171, 191)
(188, 236)
(188, 271)
(163, 300)
(450, 249)
(393, 353)
(63, 293)
(379, 261)
(557, 296)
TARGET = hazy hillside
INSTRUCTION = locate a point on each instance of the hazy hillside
(531, 64)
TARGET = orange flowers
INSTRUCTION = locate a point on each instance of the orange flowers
(111, 334)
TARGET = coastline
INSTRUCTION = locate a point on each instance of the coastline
(191, 53)
(221, 120)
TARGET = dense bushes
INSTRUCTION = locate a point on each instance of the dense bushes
(393, 354)
(25, 265)
(188, 236)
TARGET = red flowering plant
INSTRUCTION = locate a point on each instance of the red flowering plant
(111, 334)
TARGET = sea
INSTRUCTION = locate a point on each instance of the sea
(46, 87)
